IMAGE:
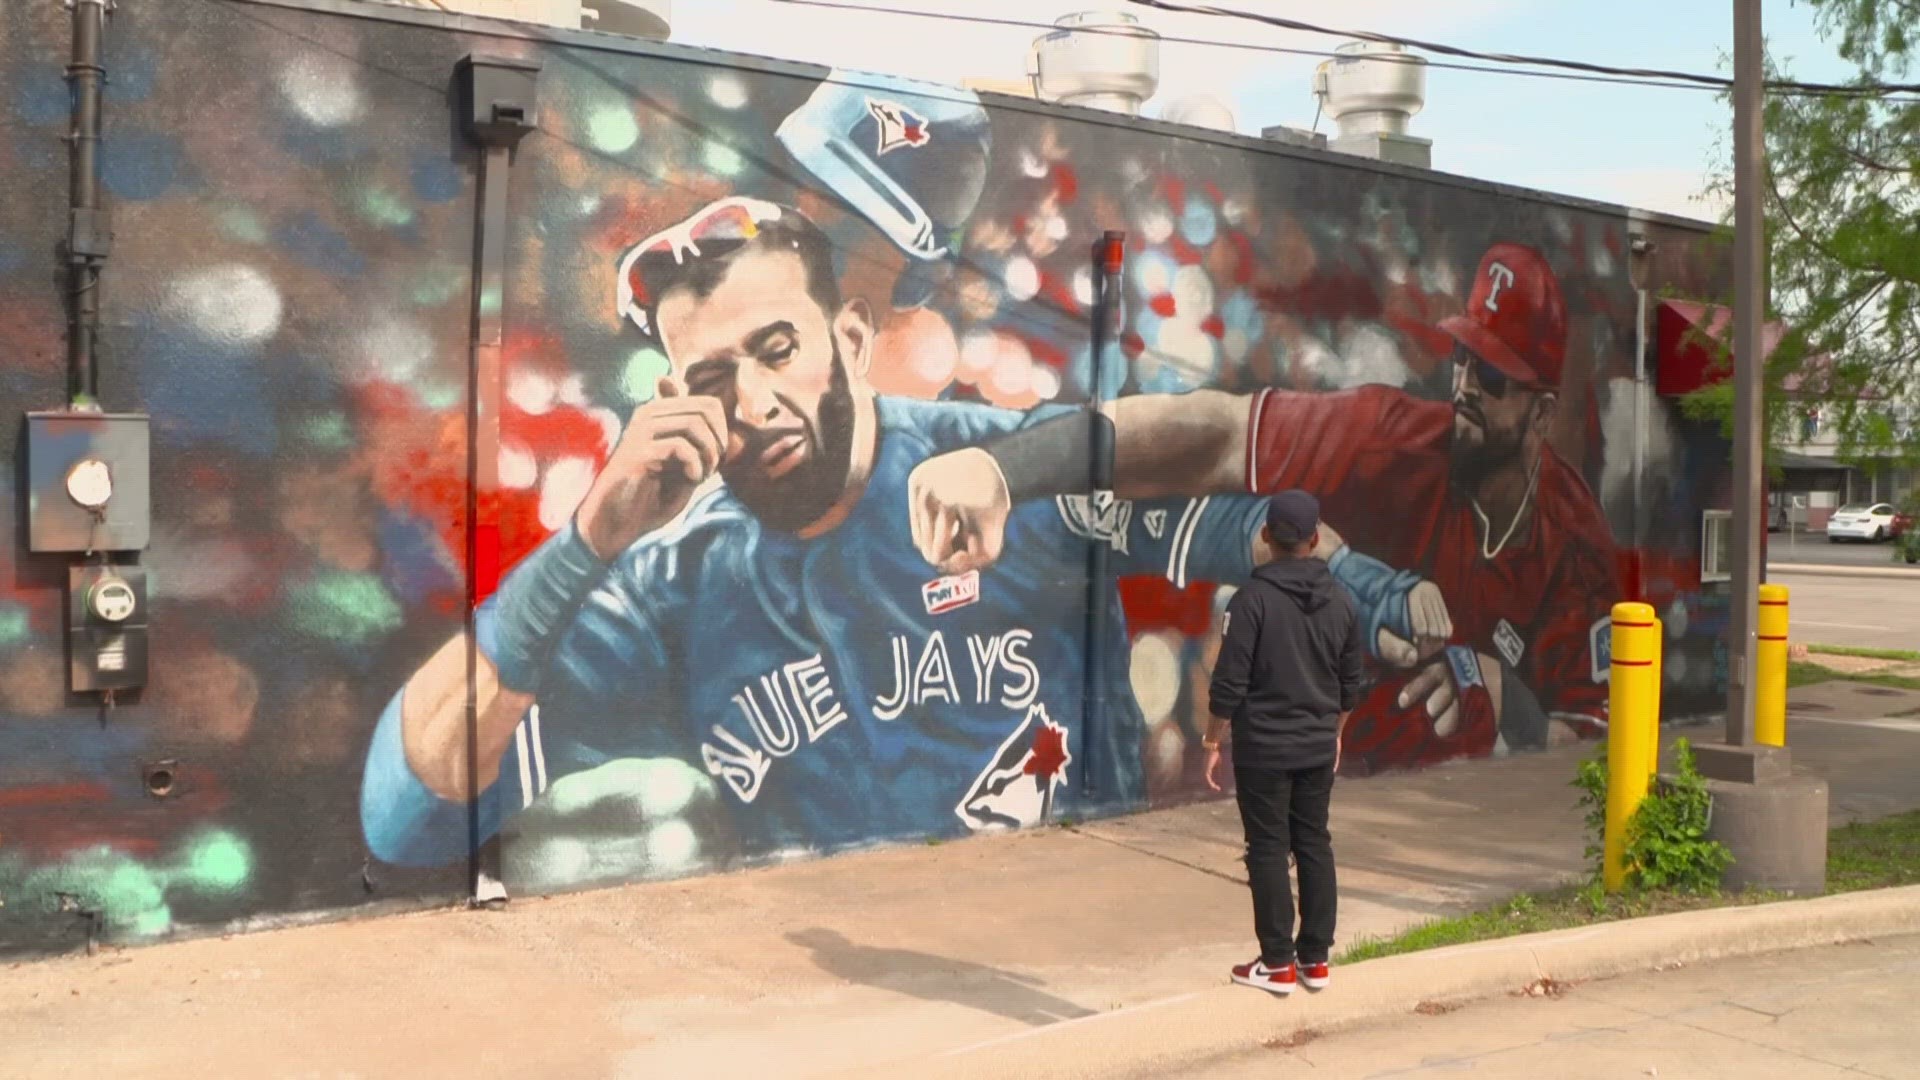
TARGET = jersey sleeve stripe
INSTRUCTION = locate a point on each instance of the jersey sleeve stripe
(1183, 541)
(539, 744)
(526, 767)
(1253, 441)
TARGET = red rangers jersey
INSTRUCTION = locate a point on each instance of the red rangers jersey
(1377, 458)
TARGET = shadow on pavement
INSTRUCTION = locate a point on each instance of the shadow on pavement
(937, 978)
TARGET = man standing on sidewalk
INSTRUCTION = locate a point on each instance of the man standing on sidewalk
(1287, 679)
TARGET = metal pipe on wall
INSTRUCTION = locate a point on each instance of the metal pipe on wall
(88, 236)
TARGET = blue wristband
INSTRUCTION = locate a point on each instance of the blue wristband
(1379, 591)
(536, 601)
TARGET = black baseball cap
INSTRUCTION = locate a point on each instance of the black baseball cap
(1293, 516)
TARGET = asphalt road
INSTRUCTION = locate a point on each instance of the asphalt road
(1816, 548)
(1840, 1011)
(1863, 612)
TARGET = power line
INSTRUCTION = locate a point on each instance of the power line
(1691, 82)
(1717, 82)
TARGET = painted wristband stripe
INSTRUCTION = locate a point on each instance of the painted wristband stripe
(1771, 637)
(1632, 663)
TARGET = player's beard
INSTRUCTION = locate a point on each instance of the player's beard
(792, 502)
(1470, 462)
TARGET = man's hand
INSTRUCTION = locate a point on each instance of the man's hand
(1432, 627)
(672, 445)
(958, 505)
(1438, 687)
(1213, 768)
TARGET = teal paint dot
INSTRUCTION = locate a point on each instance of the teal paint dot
(151, 923)
(13, 624)
(612, 129)
(245, 225)
(329, 431)
(439, 285)
(439, 396)
(218, 862)
(724, 159)
(384, 208)
(491, 300)
(642, 375)
(344, 607)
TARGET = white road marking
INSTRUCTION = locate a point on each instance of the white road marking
(1840, 625)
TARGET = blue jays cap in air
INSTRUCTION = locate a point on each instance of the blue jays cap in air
(1292, 516)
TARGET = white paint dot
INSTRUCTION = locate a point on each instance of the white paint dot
(231, 305)
(531, 392)
(1673, 669)
(979, 354)
(1156, 225)
(727, 91)
(1235, 344)
(1675, 620)
(573, 390)
(1192, 293)
(1372, 355)
(1156, 674)
(1032, 165)
(667, 786)
(321, 89)
(1013, 369)
(671, 847)
(610, 426)
(566, 484)
(518, 469)
(1057, 228)
(1083, 286)
(1045, 382)
(612, 129)
(1188, 349)
(394, 350)
(1022, 279)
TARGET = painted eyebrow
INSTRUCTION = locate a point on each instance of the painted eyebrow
(759, 338)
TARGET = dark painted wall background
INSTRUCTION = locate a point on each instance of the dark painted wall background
(289, 298)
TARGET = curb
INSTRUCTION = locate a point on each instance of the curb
(1223, 1021)
(1822, 570)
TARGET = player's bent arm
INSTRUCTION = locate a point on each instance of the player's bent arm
(433, 715)
(1184, 444)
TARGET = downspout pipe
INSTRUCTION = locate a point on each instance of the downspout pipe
(89, 235)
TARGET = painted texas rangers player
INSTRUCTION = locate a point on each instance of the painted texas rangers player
(1480, 558)
(782, 629)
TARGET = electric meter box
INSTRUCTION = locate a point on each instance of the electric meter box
(106, 627)
(88, 485)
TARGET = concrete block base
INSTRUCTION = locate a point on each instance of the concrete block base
(1743, 764)
(1777, 832)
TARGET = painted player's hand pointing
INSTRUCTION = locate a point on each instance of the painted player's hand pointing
(672, 444)
(1448, 693)
(958, 505)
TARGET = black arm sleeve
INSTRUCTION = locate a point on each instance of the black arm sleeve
(1234, 668)
(1353, 662)
(1053, 457)
(1523, 722)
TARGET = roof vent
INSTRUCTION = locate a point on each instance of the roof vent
(1372, 90)
(1200, 110)
(1116, 67)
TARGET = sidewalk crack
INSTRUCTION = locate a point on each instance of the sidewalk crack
(1075, 830)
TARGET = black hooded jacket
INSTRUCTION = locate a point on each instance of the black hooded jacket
(1290, 663)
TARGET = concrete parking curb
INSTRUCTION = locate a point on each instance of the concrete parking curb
(1192, 1030)
(1820, 570)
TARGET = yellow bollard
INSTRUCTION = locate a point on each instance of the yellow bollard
(1659, 692)
(1770, 668)
(1632, 695)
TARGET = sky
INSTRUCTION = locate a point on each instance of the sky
(1649, 148)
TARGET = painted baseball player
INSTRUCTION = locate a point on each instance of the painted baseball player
(782, 629)
(1480, 559)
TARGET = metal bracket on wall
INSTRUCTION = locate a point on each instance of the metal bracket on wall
(497, 101)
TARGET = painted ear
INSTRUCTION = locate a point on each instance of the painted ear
(854, 327)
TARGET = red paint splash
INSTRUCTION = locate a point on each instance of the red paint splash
(1214, 327)
(1066, 183)
(1163, 305)
(1153, 603)
(1132, 345)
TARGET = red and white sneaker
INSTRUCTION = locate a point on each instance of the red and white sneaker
(1315, 976)
(1258, 975)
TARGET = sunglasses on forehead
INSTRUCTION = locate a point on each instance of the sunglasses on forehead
(718, 228)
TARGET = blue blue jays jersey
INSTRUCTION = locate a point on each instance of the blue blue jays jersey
(839, 690)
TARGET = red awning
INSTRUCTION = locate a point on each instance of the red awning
(1689, 337)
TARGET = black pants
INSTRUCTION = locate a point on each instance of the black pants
(1285, 810)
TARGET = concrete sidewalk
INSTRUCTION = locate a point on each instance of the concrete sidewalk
(861, 961)
(1837, 1011)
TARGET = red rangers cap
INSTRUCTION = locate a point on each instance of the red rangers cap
(1515, 319)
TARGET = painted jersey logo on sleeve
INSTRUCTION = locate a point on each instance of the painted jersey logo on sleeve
(948, 593)
(1100, 517)
(1600, 647)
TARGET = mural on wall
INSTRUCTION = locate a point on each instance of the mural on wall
(793, 502)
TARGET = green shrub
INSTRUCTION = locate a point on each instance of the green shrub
(1668, 849)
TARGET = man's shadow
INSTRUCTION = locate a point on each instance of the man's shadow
(938, 978)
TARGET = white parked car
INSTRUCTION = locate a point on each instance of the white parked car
(1861, 522)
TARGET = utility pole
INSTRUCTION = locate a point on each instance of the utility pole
(1749, 310)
